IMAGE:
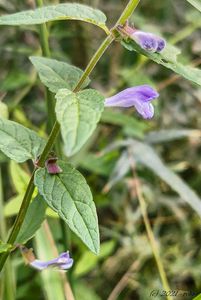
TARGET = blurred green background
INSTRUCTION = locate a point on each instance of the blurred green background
(125, 268)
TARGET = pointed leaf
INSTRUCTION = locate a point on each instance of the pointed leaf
(56, 74)
(167, 58)
(18, 142)
(34, 218)
(78, 115)
(65, 11)
(69, 195)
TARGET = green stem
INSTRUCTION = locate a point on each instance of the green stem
(131, 6)
(55, 131)
(101, 50)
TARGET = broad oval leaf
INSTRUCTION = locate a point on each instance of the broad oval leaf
(78, 115)
(69, 195)
(65, 11)
(167, 58)
(18, 142)
(56, 74)
(196, 4)
(34, 218)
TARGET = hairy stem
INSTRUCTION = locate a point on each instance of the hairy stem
(55, 131)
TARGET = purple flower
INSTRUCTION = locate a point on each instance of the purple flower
(139, 97)
(62, 262)
(52, 167)
(148, 41)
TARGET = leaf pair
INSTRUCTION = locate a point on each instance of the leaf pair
(67, 193)
(77, 113)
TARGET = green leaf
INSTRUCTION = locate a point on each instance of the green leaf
(57, 75)
(4, 247)
(66, 11)
(34, 218)
(18, 142)
(146, 155)
(167, 58)
(69, 195)
(196, 4)
(78, 115)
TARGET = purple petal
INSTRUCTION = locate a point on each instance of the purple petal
(139, 97)
(146, 110)
(145, 40)
(62, 262)
(39, 265)
(161, 44)
(128, 97)
(148, 41)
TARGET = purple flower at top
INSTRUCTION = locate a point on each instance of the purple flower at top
(139, 97)
(62, 262)
(147, 40)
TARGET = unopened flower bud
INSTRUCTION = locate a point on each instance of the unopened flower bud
(51, 166)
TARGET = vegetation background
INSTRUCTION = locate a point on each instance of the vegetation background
(126, 268)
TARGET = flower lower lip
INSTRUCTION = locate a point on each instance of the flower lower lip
(139, 97)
